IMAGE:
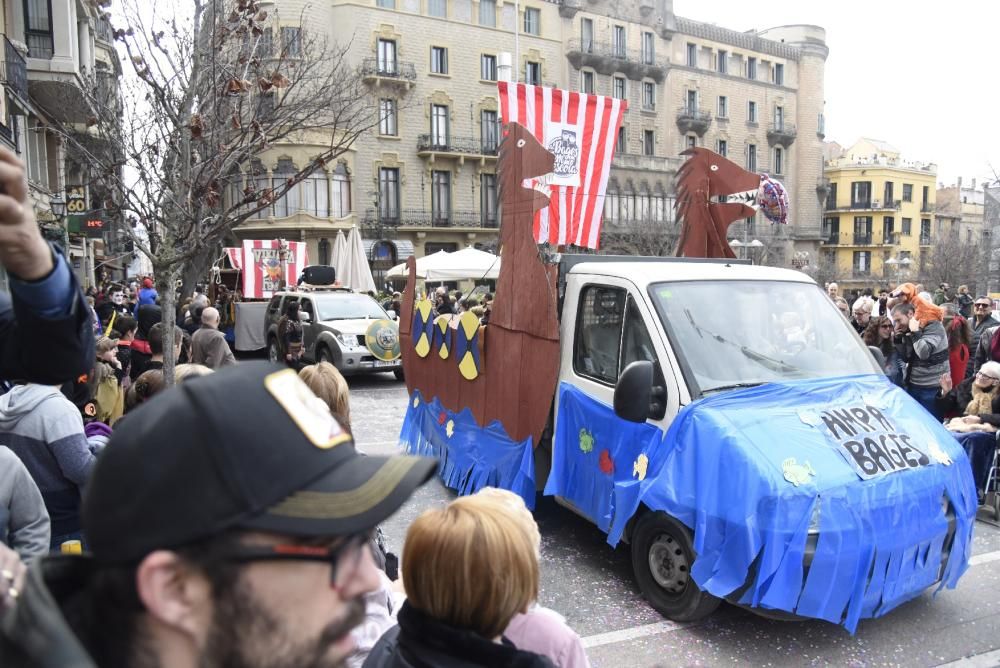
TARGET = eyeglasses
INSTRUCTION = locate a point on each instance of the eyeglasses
(982, 305)
(344, 558)
(980, 374)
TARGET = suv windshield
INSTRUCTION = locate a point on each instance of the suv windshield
(738, 333)
(348, 307)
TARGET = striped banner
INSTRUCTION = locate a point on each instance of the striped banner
(261, 266)
(581, 131)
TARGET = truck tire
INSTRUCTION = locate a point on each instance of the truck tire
(323, 355)
(272, 349)
(662, 554)
(398, 373)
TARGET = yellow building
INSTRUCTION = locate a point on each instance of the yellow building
(878, 216)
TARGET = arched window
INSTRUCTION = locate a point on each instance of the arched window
(261, 180)
(341, 188)
(292, 201)
(316, 194)
(324, 251)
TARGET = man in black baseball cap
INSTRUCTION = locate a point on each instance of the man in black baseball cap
(227, 524)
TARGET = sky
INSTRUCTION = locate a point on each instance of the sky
(920, 76)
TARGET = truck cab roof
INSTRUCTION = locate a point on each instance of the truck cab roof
(656, 270)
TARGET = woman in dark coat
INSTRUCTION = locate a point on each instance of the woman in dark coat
(148, 315)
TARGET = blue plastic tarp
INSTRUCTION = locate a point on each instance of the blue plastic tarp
(854, 463)
(470, 457)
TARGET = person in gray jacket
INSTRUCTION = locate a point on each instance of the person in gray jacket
(24, 522)
(45, 430)
(925, 350)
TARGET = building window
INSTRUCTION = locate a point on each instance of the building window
(618, 41)
(691, 101)
(925, 231)
(439, 125)
(779, 161)
(862, 264)
(648, 95)
(387, 117)
(532, 21)
(779, 118)
(587, 82)
(907, 192)
(906, 226)
(316, 194)
(888, 195)
(440, 198)
(587, 35)
(925, 195)
(489, 203)
(387, 57)
(752, 68)
(888, 228)
(723, 106)
(439, 60)
(38, 28)
(341, 184)
(691, 141)
(388, 194)
(722, 147)
(751, 112)
(291, 42)
(386, 4)
(861, 194)
(489, 130)
(620, 144)
(831, 197)
(488, 67)
(721, 63)
(291, 202)
(488, 13)
(647, 142)
(692, 55)
(437, 8)
(831, 230)
(533, 73)
(751, 157)
(779, 74)
(648, 52)
(38, 158)
(618, 88)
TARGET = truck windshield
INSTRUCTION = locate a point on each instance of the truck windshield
(349, 307)
(731, 334)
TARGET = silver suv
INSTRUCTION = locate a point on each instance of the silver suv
(349, 330)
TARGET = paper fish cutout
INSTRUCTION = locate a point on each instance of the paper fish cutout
(416, 401)
(640, 466)
(797, 474)
(450, 428)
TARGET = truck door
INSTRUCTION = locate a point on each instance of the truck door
(308, 328)
(609, 325)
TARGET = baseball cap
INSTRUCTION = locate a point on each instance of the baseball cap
(249, 447)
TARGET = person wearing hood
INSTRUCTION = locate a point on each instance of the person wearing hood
(148, 315)
(24, 522)
(147, 295)
(45, 430)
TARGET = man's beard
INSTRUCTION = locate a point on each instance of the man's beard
(244, 634)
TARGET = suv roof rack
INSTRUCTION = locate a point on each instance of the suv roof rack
(305, 287)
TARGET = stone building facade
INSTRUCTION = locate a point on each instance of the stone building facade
(426, 179)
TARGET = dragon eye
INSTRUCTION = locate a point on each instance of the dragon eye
(714, 168)
(521, 143)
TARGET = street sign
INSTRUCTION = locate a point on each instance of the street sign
(76, 199)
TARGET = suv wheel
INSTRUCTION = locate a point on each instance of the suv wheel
(323, 355)
(398, 373)
(662, 555)
(272, 350)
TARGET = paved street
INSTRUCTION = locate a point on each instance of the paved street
(591, 584)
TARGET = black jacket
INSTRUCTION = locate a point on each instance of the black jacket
(422, 642)
(960, 396)
(42, 350)
(35, 633)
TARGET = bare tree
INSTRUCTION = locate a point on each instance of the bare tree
(207, 87)
(951, 260)
(639, 237)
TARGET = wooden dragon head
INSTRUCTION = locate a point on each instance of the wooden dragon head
(523, 157)
(713, 193)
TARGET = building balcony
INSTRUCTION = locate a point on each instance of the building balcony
(925, 240)
(864, 205)
(858, 272)
(15, 70)
(456, 148)
(891, 239)
(927, 207)
(646, 163)
(608, 58)
(863, 239)
(691, 119)
(830, 238)
(422, 218)
(395, 74)
(781, 133)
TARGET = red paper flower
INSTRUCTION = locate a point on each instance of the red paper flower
(607, 466)
(442, 417)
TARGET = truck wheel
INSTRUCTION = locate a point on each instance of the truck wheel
(398, 373)
(323, 355)
(272, 350)
(662, 555)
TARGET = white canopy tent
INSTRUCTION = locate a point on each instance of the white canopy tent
(468, 263)
(357, 274)
(422, 264)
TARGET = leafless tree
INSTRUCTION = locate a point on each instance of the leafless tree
(951, 260)
(207, 87)
(639, 237)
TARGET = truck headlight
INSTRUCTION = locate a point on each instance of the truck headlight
(347, 340)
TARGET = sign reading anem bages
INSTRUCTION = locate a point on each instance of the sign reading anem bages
(870, 442)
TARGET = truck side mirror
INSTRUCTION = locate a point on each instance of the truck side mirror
(879, 357)
(634, 391)
(391, 314)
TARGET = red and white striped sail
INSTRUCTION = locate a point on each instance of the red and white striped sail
(261, 266)
(581, 130)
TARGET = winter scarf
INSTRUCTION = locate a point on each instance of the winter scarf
(982, 400)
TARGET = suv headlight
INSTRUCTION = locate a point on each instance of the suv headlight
(348, 340)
